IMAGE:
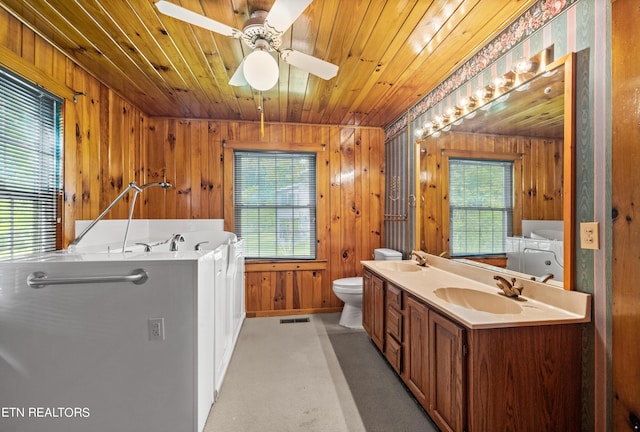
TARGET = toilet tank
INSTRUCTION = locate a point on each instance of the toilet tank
(384, 254)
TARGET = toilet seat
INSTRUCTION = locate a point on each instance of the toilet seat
(348, 285)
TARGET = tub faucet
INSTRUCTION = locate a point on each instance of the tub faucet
(508, 288)
(199, 245)
(137, 189)
(173, 246)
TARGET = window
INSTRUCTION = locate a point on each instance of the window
(275, 203)
(30, 167)
(480, 206)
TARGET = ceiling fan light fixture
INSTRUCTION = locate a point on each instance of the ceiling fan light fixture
(261, 70)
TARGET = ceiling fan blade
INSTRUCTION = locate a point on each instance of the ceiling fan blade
(314, 65)
(178, 12)
(283, 13)
(238, 79)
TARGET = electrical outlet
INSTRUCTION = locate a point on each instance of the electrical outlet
(589, 235)
(156, 329)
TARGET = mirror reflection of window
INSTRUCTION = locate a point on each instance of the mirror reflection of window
(480, 206)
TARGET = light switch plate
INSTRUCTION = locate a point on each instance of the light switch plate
(589, 235)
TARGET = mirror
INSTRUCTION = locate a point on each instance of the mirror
(531, 125)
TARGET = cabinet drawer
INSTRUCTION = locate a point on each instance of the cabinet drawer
(393, 353)
(394, 297)
(394, 323)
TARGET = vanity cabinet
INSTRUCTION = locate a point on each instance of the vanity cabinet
(522, 378)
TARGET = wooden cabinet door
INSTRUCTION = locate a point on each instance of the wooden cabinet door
(373, 308)
(446, 360)
(416, 350)
(378, 312)
(367, 303)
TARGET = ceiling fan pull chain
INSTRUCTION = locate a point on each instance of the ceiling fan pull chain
(261, 115)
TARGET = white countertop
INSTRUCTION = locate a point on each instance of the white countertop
(540, 304)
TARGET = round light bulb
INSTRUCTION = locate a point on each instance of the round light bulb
(261, 70)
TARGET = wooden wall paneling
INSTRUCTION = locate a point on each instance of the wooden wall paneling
(323, 193)
(445, 224)
(104, 196)
(182, 187)
(71, 179)
(200, 172)
(252, 285)
(10, 32)
(28, 46)
(155, 199)
(228, 196)
(335, 264)
(170, 143)
(142, 139)
(288, 279)
(528, 178)
(216, 172)
(347, 201)
(624, 300)
(81, 149)
(115, 162)
(363, 249)
(43, 56)
(91, 131)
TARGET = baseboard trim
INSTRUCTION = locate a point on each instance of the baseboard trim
(286, 312)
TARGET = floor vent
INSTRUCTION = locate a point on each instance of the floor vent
(293, 320)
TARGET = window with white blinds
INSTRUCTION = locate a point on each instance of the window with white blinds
(30, 167)
(275, 203)
(480, 206)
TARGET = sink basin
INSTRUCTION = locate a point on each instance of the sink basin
(478, 300)
(398, 266)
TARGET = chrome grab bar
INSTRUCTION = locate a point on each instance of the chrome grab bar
(40, 279)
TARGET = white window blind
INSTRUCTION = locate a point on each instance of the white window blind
(275, 203)
(30, 167)
(480, 206)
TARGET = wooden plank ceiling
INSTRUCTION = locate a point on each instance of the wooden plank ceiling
(390, 53)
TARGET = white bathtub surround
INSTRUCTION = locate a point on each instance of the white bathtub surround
(107, 235)
(92, 346)
(540, 250)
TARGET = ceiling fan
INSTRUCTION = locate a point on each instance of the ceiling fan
(262, 32)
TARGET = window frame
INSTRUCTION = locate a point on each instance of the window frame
(291, 148)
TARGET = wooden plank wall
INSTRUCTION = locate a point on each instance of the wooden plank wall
(104, 135)
(540, 176)
(624, 299)
(109, 143)
(196, 156)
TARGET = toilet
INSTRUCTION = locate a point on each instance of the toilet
(349, 290)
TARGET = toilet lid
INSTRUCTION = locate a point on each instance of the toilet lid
(352, 282)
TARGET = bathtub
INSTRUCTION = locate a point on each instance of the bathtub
(129, 342)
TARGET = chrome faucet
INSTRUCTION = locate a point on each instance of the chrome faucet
(173, 246)
(509, 289)
(137, 189)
